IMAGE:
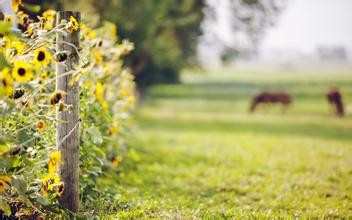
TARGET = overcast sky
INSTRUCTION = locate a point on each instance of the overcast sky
(307, 24)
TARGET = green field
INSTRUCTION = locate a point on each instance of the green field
(201, 155)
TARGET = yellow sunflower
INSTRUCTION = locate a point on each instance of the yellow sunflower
(99, 91)
(13, 46)
(19, 47)
(131, 101)
(40, 126)
(6, 82)
(42, 57)
(116, 161)
(16, 4)
(114, 129)
(30, 30)
(22, 18)
(5, 42)
(100, 95)
(87, 32)
(49, 19)
(22, 71)
(97, 56)
(54, 162)
(9, 18)
(51, 182)
(73, 25)
(111, 30)
(49, 14)
(5, 182)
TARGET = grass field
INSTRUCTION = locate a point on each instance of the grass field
(200, 155)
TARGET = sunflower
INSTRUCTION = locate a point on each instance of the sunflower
(44, 75)
(4, 42)
(87, 32)
(18, 93)
(8, 18)
(22, 18)
(54, 162)
(100, 95)
(116, 161)
(30, 30)
(73, 25)
(22, 71)
(49, 14)
(97, 56)
(13, 46)
(49, 19)
(99, 91)
(6, 82)
(51, 182)
(4, 183)
(16, 4)
(42, 57)
(131, 101)
(40, 126)
(111, 30)
(56, 97)
(114, 129)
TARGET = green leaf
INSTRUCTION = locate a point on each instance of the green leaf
(3, 61)
(95, 135)
(5, 162)
(20, 185)
(5, 207)
(32, 7)
(42, 201)
(5, 27)
(24, 136)
(98, 151)
(4, 148)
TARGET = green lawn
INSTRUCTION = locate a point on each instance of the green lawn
(200, 155)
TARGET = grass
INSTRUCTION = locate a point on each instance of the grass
(200, 155)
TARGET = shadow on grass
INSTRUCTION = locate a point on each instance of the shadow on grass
(311, 130)
(235, 90)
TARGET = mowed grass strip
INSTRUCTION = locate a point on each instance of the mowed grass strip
(199, 154)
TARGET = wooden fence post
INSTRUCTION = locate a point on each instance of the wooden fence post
(67, 132)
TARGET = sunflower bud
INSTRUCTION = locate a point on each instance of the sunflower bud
(56, 97)
(18, 93)
(61, 57)
(61, 107)
(40, 126)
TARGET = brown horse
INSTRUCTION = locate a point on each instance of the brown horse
(282, 98)
(334, 98)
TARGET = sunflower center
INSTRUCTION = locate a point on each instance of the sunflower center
(41, 56)
(21, 71)
(4, 83)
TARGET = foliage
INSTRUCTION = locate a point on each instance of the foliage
(29, 160)
(165, 33)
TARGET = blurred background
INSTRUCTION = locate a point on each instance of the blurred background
(172, 35)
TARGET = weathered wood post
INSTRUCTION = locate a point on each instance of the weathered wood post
(67, 133)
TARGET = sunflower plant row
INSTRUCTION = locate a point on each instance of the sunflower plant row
(29, 159)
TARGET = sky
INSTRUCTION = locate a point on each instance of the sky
(306, 24)
(303, 26)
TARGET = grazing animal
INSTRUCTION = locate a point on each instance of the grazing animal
(270, 98)
(334, 98)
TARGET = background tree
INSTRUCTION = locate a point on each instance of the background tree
(166, 32)
(235, 27)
